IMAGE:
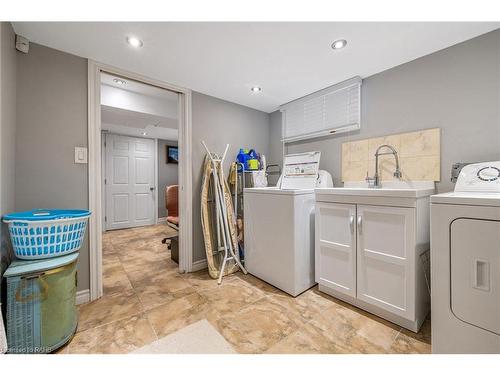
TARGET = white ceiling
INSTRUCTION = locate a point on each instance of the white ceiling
(113, 115)
(123, 121)
(139, 88)
(288, 60)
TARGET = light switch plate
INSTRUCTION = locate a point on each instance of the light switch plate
(81, 155)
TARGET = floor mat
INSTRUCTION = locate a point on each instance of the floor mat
(197, 338)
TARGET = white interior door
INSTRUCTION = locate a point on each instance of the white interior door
(130, 181)
(386, 256)
(336, 246)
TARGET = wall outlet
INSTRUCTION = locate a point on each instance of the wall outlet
(81, 155)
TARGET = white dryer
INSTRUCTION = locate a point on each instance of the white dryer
(465, 263)
(279, 225)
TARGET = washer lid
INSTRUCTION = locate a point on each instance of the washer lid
(467, 198)
(277, 191)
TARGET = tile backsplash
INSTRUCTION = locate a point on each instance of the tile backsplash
(419, 156)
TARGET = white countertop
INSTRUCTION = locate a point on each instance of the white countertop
(397, 189)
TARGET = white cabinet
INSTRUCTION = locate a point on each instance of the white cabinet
(336, 247)
(369, 255)
(385, 258)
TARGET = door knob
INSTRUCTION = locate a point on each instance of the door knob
(151, 188)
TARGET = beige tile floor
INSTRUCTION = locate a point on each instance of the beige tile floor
(145, 298)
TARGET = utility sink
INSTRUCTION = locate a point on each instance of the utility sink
(400, 190)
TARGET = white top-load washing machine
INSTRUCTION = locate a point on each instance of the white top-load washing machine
(279, 225)
(465, 263)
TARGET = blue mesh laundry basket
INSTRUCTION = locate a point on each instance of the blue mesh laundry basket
(39, 234)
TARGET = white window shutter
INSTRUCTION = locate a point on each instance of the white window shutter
(333, 110)
(294, 119)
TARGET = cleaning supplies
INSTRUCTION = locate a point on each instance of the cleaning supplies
(252, 164)
(249, 158)
(253, 160)
(243, 156)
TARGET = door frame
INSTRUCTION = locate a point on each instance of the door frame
(95, 178)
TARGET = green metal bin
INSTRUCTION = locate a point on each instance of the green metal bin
(41, 304)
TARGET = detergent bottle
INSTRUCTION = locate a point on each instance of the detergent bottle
(253, 160)
(242, 156)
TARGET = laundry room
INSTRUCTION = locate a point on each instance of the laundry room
(150, 206)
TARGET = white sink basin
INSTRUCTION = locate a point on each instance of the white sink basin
(396, 189)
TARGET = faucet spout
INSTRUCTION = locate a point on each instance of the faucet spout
(397, 172)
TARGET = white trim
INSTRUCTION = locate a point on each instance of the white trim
(156, 181)
(162, 220)
(199, 265)
(94, 139)
(323, 133)
(82, 296)
(185, 184)
(94, 167)
(103, 178)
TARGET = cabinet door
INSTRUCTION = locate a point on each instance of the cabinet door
(385, 257)
(336, 246)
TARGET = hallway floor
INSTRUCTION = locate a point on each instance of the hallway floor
(145, 298)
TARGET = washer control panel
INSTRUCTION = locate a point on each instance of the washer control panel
(480, 177)
(488, 174)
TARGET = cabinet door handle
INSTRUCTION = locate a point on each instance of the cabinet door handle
(351, 223)
(360, 224)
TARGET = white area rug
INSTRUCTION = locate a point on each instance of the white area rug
(197, 338)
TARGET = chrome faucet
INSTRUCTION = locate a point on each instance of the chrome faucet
(374, 182)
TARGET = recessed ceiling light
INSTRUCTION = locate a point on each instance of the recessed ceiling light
(134, 42)
(338, 44)
(256, 89)
(144, 133)
(119, 81)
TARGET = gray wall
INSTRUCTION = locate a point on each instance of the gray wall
(7, 134)
(168, 174)
(51, 121)
(456, 89)
(219, 122)
(275, 145)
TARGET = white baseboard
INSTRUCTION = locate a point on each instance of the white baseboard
(199, 265)
(82, 296)
(162, 220)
